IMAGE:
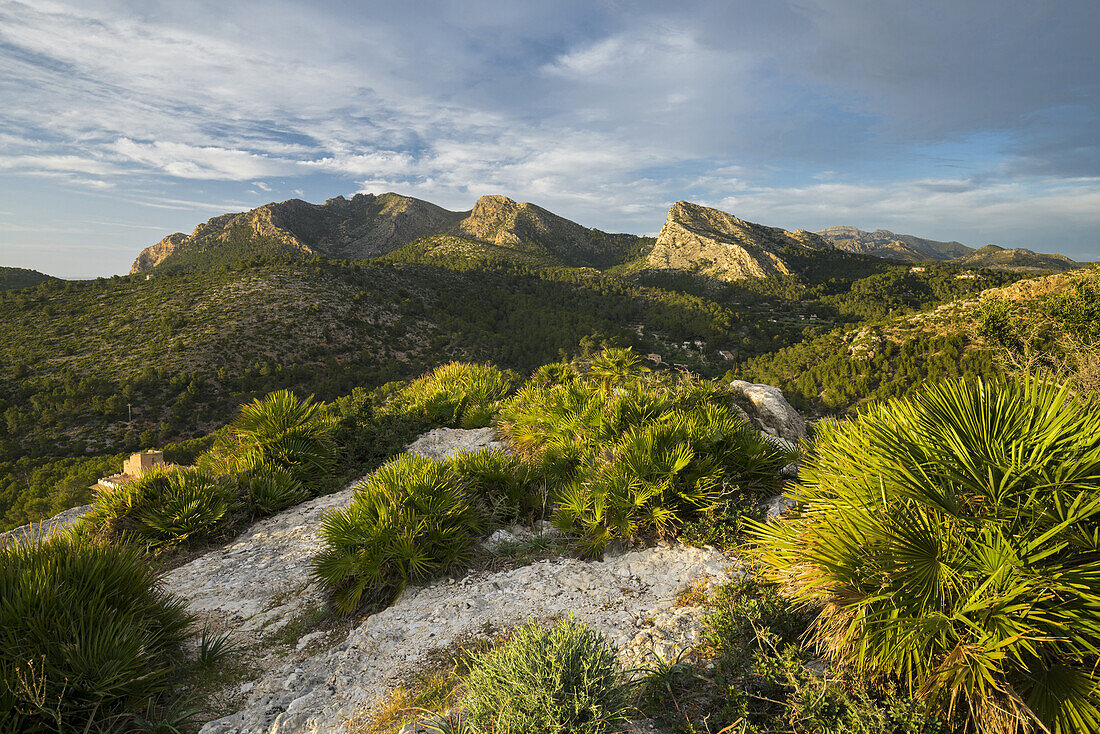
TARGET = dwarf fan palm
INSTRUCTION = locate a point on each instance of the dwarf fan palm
(613, 366)
(953, 540)
(408, 521)
(87, 637)
(280, 430)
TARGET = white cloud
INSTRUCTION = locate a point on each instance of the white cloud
(57, 163)
(207, 162)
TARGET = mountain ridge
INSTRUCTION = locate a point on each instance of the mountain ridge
(367, 226)
(721, 245)
(694, 239)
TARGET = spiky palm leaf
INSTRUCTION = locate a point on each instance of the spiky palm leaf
(272, 489)
(951, 539)
(457, 394)
(409, 520)
(279, 430)
(86, 634)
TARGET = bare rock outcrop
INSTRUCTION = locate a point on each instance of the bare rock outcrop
(714, 243)
(769, 410)
(501, 221)
(45, 528)
(261, 580)
(629, 598)
(443, 442)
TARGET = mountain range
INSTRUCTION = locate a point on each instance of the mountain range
(355, 293)
(694, 238)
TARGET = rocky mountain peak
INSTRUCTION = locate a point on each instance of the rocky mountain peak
(721, 245)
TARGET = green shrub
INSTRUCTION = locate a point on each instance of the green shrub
(663, 474)
(457, 394)
(87, 639)
(409, 520)
(271, 490)
(749, 673)
(562, 679)
(501, 481)
(953, 540)
(367, 435)
(278, 430)
(165, 506)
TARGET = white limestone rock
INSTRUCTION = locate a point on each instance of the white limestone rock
(630, 599)
(445, 442)
(770, 411)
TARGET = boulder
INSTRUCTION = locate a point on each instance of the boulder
(769, 411)
(444, 442)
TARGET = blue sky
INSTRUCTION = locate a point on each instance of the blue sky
(121, 122)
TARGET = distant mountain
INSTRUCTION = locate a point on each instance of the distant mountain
(1017, 260)
(696, 241)
(884, 243)
(711, 242)
(12, 278)
(367, 226)
(364, 226)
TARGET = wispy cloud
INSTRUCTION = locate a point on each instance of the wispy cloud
(794, 112)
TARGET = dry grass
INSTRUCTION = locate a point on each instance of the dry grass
(440, 686)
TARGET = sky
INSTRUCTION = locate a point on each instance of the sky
(124, 121)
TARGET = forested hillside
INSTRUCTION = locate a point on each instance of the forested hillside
(92, 370)
(1051, 323)
(11, 278)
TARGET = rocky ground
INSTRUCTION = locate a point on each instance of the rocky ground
(304, 671)
(630, 598)
(301, 669)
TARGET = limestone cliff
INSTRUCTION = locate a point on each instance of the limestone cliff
(714, 243)
(502, 221)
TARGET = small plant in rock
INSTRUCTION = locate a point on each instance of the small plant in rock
(271, 490)
(214, 647)
(87, 638)
(409, 520)
(565, 678)
(165, 506)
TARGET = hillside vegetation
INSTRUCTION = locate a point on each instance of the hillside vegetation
(244, 306)
(12, 278)
(1049, 323)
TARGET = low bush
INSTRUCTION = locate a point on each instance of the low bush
(271, 489)
(279, 430)
(952, 540)
(88, 641)
(750, 674)
(504, 485)
(457, 394)
(409, 520)
(562, 679)
(635, 453)
(165, 506)
(367, 435)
